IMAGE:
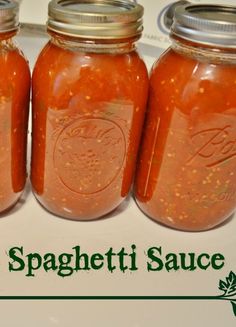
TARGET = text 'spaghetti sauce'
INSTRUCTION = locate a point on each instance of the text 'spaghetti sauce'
(14, 106)
(89, 96)
(186, 176)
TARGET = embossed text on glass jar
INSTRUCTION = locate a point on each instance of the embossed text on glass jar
(186, 176)
(89, 100)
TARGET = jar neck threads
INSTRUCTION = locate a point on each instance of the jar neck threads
(73, 44)
(203, 53)
(7, 43)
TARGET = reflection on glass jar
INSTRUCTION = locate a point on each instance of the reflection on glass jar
(186, 175)
(14, 103)
(89, 96)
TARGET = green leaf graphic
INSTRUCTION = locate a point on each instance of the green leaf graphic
(228, 287)
(234, 307)
(223, 286)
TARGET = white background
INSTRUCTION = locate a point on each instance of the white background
(30, 226)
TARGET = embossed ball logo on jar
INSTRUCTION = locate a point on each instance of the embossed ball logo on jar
(89, 155)
(215, 146)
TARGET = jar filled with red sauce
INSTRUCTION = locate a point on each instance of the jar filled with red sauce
(89, 97)
(186, 176)
(14, 103)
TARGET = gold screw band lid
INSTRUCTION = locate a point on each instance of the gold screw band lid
(96, 19)
(213, 25)
(9, 16)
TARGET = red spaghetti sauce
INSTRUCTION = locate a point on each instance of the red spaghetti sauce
(88, 111)
(186, 176)
(14, 103)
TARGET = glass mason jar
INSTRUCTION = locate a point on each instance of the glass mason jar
(14, 107)
(89, 97)
(186, 176)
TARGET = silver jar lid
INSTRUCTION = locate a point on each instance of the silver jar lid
(96, 19)
(213, 25)
(9, 16)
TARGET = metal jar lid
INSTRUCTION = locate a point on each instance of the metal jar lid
(96, 19)
(213, 25)
(9, 16)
